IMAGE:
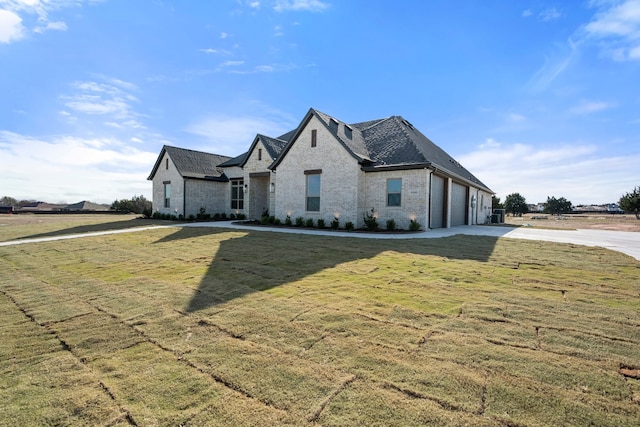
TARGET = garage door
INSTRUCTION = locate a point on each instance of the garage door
(458, 204)
(436, 209)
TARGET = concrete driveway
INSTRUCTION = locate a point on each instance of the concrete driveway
(621, 241)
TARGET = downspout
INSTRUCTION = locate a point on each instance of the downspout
(429, 201)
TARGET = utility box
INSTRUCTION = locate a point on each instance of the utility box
(501, 215)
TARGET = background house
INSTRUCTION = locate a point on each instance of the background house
(326, 169)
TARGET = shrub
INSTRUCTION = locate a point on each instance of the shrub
(232, 216)
(216, 217)
(202, 213)
(192, 217)
(414, 225)
(321, 223)
(309, 222)
(299, 221)
(181, 217)
(370, 221)
(223, 216)
(348, 226)
(391, 225)
(287, 220)
(335, 224)
(271, 219)
(264, 220)
(156, 215)
(276, 221)
(241, 216)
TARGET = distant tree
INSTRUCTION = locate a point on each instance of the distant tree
(630, 202)
(8, 201)
(515, 204)
(137, 204)
(557, 206)
(495, 203)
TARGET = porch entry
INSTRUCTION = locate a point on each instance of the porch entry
(258, 194)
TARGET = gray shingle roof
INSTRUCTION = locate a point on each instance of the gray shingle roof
(194, 164)
(388, 142)
(274, 146)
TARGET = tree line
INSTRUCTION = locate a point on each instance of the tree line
(137, 204)
(515, 204)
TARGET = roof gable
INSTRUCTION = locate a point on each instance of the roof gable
(349, 137)
(193, 164)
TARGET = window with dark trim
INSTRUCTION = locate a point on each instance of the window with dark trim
(237, 194)
(313, 192)
(167, 194)
(394, 192)
(259, 153)
(314, 137)
(166, 164)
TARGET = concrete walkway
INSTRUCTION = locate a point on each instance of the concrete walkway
(621, 241)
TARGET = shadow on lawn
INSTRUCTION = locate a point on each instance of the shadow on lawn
(93, 228)
(258, 260)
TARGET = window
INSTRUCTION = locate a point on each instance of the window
(314, 137)
(313, 192)
(394, 192)
(167, 194)
(259, 153)
(237, 195)
(166, 164)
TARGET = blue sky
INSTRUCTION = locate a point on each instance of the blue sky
(536, 97)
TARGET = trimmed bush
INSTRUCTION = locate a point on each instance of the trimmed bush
(299, 221)
(370, 221)
(309, 222)
(414, 225)
(348, 226)
(391, 225)
(321, 223)
(335, 224)
(232, 216)
(277, 221)
(287, 220)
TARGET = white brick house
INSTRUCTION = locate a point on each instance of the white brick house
(327, 169)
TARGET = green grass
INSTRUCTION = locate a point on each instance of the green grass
(199, 326)
(28, 226)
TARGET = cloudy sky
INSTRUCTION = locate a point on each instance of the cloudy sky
(536, 97)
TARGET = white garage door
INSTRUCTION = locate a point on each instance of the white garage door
(458, 204)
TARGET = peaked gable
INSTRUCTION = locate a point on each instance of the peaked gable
(193, 164)
(350, 138)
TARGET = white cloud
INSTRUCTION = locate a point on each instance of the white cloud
(618, 28)
(516, 118)
(66, 168)
(549, 14)
(254, 5)
(578, 172)
(224, 35)
(56, 26)
(526, 13)
(111, 100)
(11, 28)
(300, 5)
(553, 67)
(587, 107)
(232, 135)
